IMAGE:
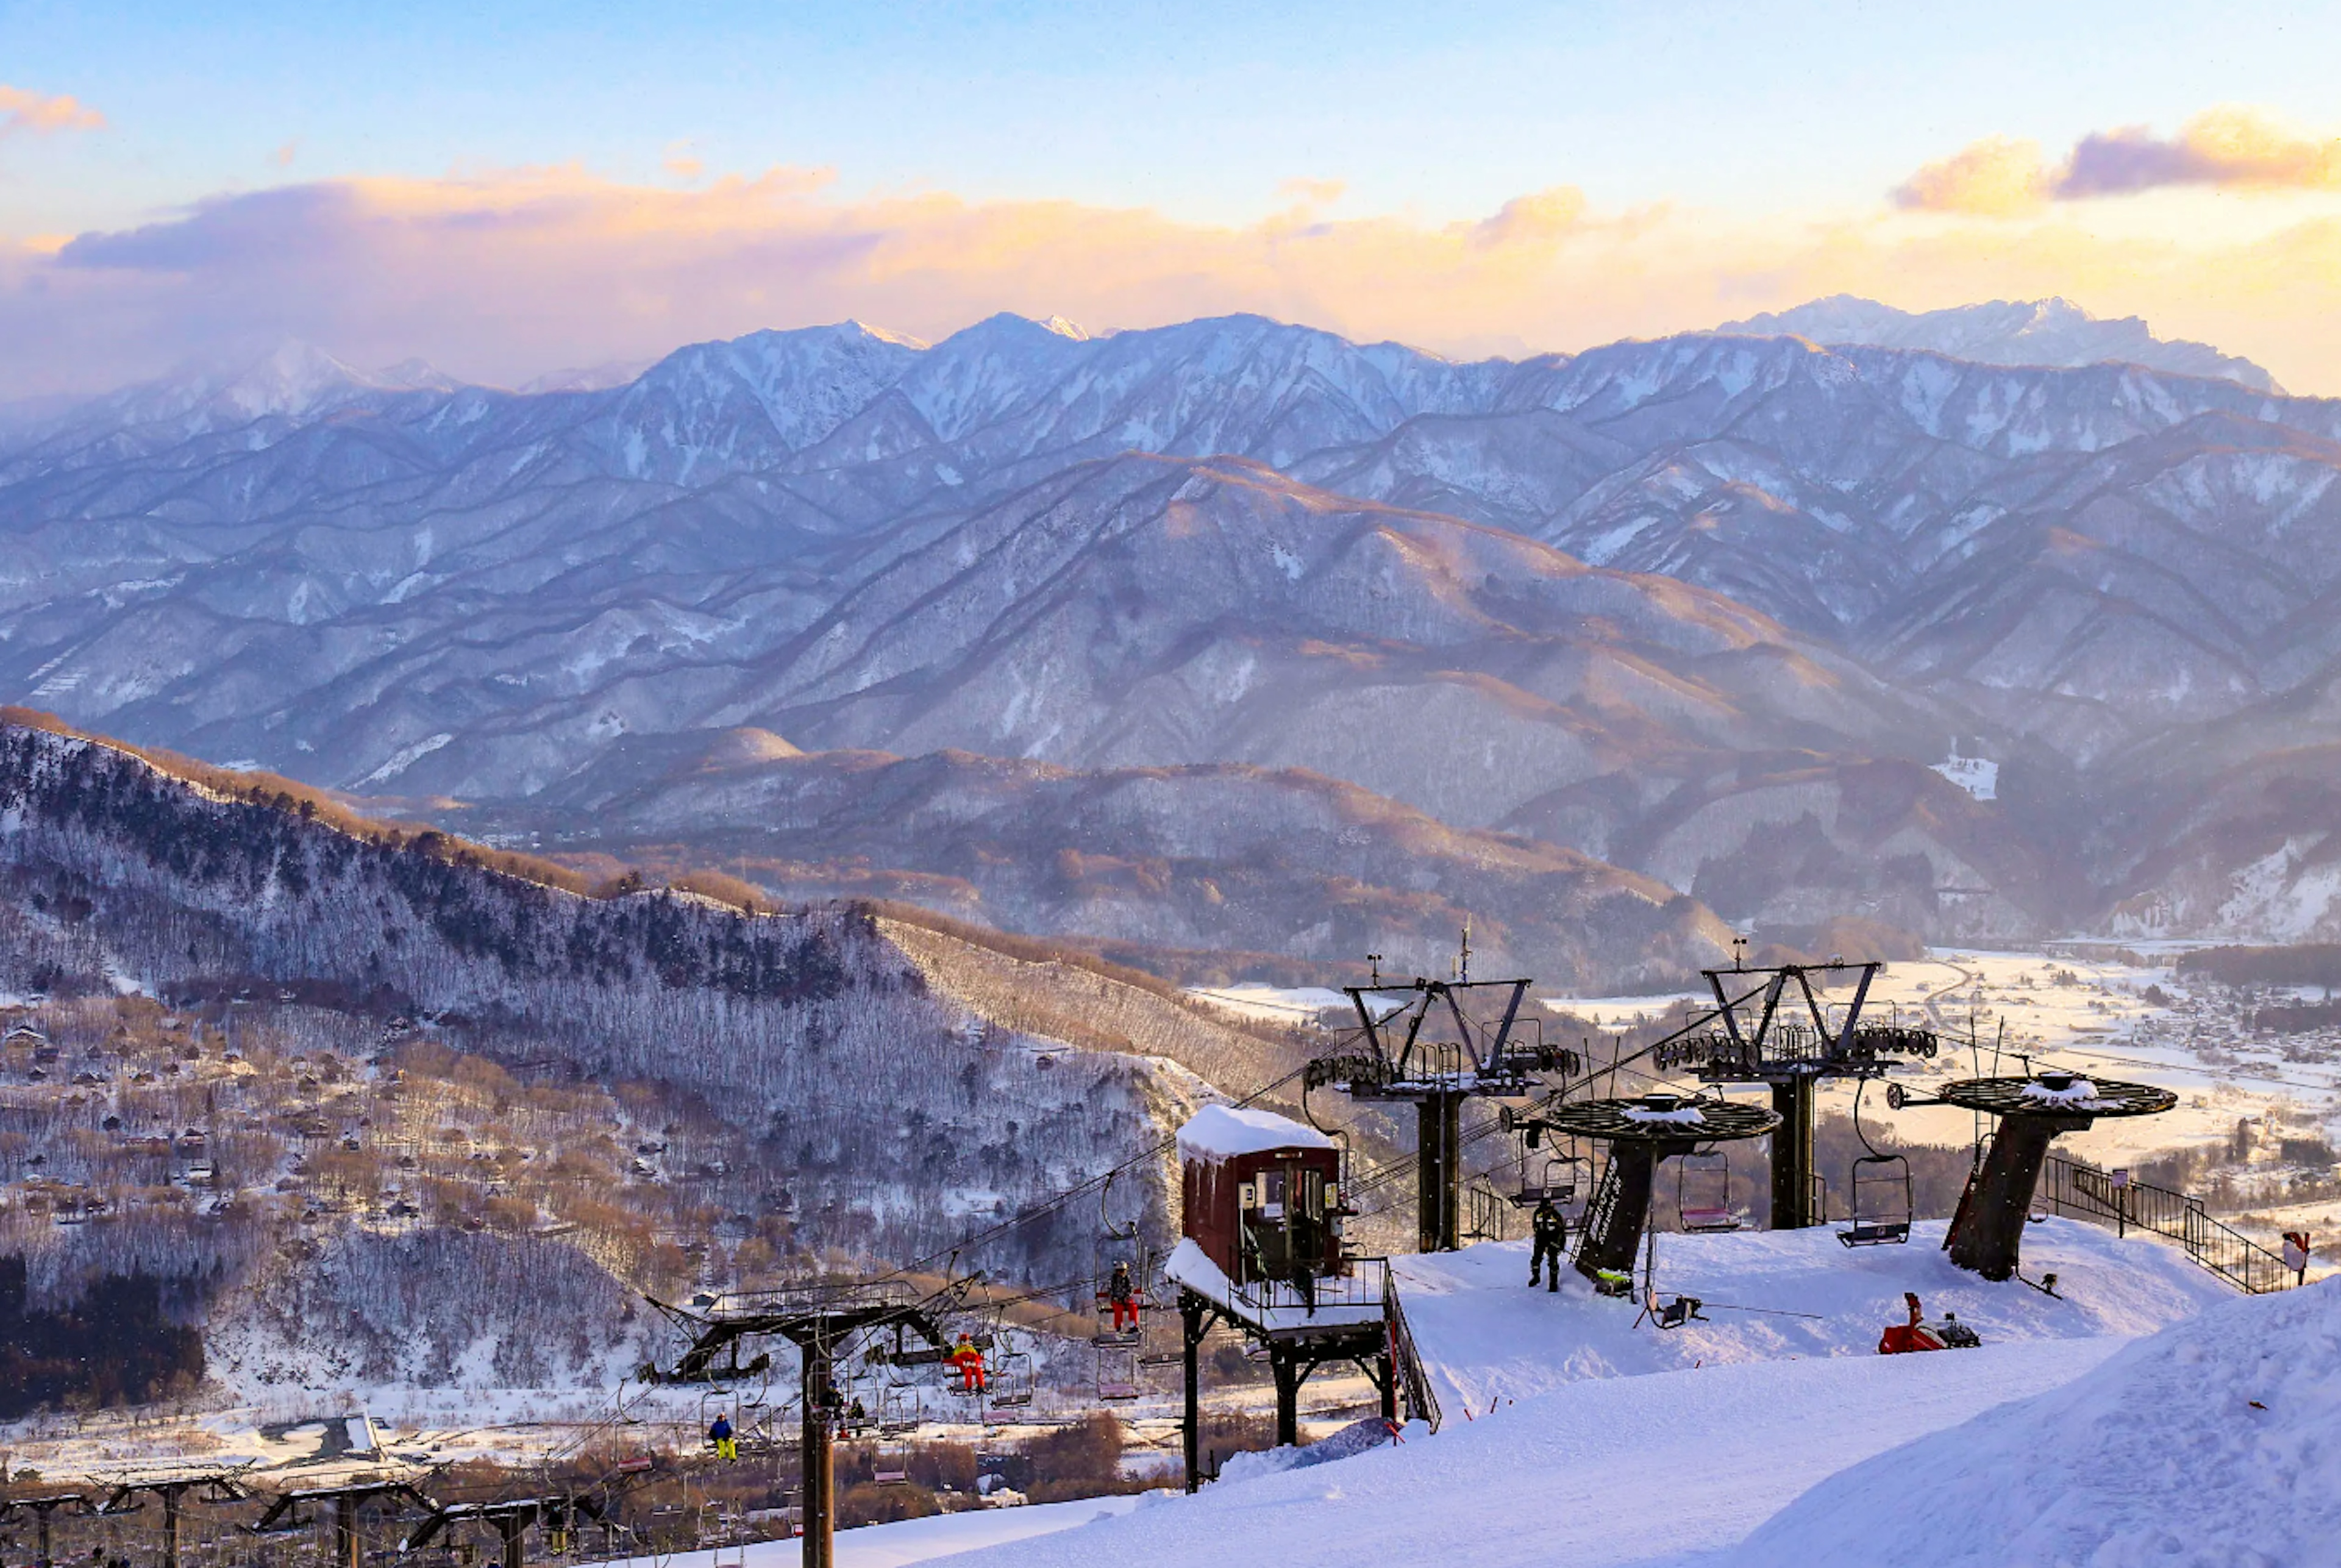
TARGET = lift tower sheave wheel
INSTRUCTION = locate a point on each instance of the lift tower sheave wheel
(1987, 1232)
(1770, 1026)
(1641, 1133)
(1424, 1042)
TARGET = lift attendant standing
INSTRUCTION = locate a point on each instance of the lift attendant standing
(1551, 1240)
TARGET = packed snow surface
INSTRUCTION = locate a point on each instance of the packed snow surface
(1573, 1435)
(1226, 1131)
(1612, 1471)
(1486, 1336)
(906, 1540)
(2217, 1442)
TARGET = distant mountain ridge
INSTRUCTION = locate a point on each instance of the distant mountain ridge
(2043, 332)
(1680, 605)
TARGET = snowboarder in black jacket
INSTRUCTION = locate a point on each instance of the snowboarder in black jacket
(1550, 1234)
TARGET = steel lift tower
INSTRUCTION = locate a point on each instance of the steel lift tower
(818, 1319)
(1419, 1042)
(1768, 1026)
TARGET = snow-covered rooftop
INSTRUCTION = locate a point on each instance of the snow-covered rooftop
(1226, 1131)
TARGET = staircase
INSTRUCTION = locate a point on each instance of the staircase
(2086, 1192)
(1405, 1362)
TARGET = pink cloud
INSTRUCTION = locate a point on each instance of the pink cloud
(503, 275)
(43, 114)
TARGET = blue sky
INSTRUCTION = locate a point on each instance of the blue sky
(1201, 110)
(1496, 178)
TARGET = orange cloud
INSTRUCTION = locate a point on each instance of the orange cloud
(1997, 177)
(2227, 148)
(44, 113)
(502, 275)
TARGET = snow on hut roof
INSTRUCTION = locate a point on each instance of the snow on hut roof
(1225, 1131)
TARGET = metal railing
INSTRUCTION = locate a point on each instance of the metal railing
(2107, 1198)
(1405, 1362)
(1365, 1282)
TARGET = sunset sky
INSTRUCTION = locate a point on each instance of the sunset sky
(557, 185)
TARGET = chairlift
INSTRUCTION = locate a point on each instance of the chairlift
(902, 1408)
(1121, 1246)
(1703, 1193)
(890, 1465)
(1549, 1176)
(1881, 1194)
(1011, 1383)
(1556, 1179)
(1117, 1374)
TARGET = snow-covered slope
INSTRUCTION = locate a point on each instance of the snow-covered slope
(1573, 1436)
(2213, 1444)
(1610, 1472)
(1487, 1338)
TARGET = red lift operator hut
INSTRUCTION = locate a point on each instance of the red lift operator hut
(1261, 1195)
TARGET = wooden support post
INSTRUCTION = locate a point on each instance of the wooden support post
(514, 1527)
(46, 1561)
(1389, 1379)
(345, 1532)
(170, 1524)
(819, 1476)
(1191, 1318)
(1282, 1363)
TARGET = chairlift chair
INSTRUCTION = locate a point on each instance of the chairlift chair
(1881, 1202)
(1123, 1245)
(1881, 1195)
(1703, 1193)
(1117, 1374)
(901, 1409)
(1011, 1383)
(1555, 1179)
(890, 1465)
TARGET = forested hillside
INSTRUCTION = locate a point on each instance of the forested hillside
(253, 1041)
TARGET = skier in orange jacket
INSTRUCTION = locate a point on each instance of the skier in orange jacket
(970, 1362)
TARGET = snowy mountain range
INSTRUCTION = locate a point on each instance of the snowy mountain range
(1709, 608)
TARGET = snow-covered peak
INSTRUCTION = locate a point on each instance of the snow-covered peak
(2052, 331)
(1064, 329)
(291, 380)
(416, 375)
(900, 339)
